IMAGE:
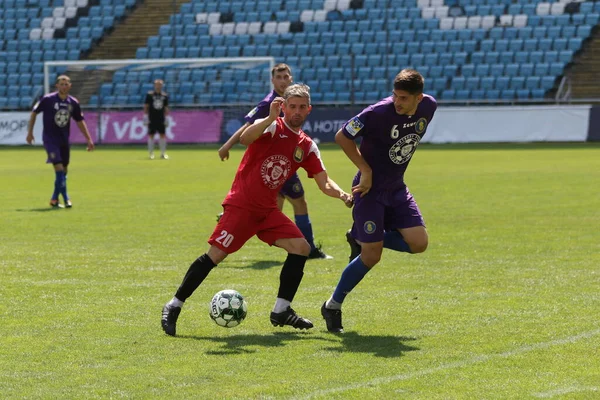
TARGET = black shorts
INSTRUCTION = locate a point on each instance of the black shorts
(154, 127)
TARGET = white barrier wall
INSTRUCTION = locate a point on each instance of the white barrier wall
(509, 124)
(13, 128)
(450, 124)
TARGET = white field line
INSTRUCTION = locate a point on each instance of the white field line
(566, 390)
(457, 364)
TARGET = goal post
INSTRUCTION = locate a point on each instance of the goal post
(189, 81)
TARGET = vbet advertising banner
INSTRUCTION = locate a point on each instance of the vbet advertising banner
(123, 127)
(574, 123)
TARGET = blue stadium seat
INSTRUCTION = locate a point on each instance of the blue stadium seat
(565, 56)
(492, 57)
(547, 82)
(507, 94)
(511, 70)
(492, 94)
(468, 70)
(536, 56)
(526, 69)
(556, 69)
(523, 94)
(502, 82)
(560, 44)
(497, 70)
(532, 82)
(551, 56)
(517, 82)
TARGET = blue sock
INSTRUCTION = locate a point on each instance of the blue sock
(57, 183)
(303, 223)
(394, 241)
(63, 186)
(353, 274)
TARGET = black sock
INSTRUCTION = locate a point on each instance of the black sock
(291, 276)
(195, 275)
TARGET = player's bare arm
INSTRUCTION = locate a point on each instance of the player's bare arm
(255, 130)
(30, 126)
(353, 153)
(146, 120)
(332, 189)
(233, 140)
(84, 130)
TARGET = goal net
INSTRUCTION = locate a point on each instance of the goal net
(231, 85)
(189, 81)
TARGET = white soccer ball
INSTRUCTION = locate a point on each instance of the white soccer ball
(228, 308)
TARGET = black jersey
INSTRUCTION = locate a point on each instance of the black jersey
(157, 102)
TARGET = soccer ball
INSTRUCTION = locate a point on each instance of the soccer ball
(228, 308)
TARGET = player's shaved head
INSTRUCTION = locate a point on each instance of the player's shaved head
(409, 80)
(297, 90)
(280, 68)
(63, 78)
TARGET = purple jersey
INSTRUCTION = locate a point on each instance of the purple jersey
(57, 117)
(389, 140)
(262, 109)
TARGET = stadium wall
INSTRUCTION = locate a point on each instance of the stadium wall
(451, 125)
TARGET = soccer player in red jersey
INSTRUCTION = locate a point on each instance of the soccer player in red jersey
(277, 147)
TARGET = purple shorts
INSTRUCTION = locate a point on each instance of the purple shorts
(58, 154)
(292, 188)
(379, 212)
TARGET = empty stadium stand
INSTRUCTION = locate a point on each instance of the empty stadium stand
(346, 50)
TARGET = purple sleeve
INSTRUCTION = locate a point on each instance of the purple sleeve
(39, 106)
(258, 112)
(356, 126)
(77, 114)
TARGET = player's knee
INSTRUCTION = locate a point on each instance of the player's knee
(419, 246)
(370, 258)
(304, 248)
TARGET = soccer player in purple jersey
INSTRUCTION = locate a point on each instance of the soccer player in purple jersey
(385, 213)
(58, 108)
(292, 190)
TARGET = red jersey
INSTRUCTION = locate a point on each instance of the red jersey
(268, 163)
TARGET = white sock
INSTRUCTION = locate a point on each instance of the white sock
(150, 144)
(162, 142)
(175, 302)
(332, 304)
(281, 305)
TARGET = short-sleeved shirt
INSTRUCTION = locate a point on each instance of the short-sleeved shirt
(57, 117)
(269, 162)
(157, 102)
(389, 140)
(262, 109)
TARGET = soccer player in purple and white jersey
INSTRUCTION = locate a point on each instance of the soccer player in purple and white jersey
(385, 213)
(58, 108)
(292, 190)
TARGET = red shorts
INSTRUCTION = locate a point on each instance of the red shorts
(238, 225)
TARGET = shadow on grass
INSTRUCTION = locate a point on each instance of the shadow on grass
(260, 265)
(45, 209)
(243, 344)
(379, 346)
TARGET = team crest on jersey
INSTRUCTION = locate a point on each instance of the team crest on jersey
(404, 148)
(370, 227)
(421, 125)
(297, 188)
(52, 156)
(157, 103)
(275, 170)
(61, 118)
(298, 154)
(354, 126)
(70, 108)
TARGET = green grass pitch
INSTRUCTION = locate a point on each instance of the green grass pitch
(503, 305)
